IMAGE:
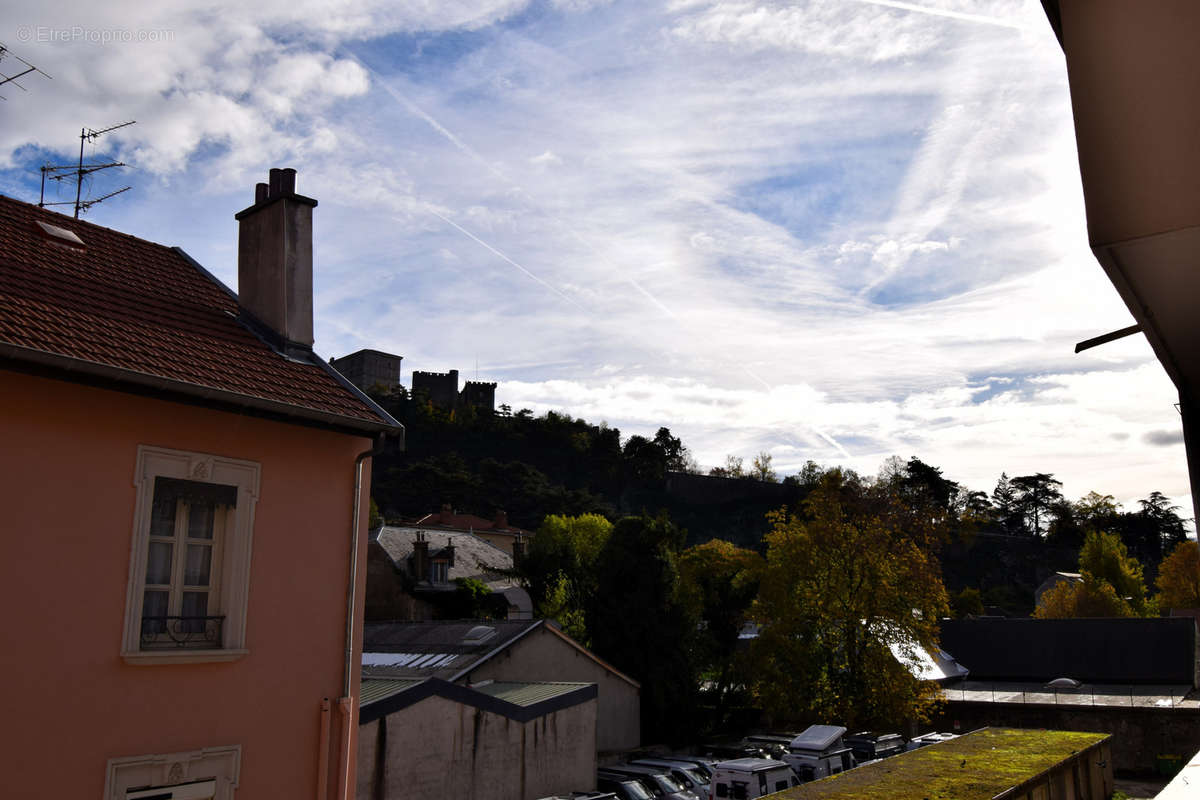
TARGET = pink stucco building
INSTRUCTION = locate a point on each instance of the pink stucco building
(185, 493)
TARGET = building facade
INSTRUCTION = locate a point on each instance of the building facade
(370, 370)
(188, 472)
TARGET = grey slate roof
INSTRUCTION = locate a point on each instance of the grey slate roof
(444, 649)
(473, 557)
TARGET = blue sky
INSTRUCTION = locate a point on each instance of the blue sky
(836, 230)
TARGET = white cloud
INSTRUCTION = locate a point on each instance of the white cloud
(754, 222)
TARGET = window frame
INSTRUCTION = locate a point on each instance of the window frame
(232, 574)
(164, 770)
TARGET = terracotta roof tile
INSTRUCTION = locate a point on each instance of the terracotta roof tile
(144, 309)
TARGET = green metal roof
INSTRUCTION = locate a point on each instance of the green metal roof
(377, 689)
(526, 694)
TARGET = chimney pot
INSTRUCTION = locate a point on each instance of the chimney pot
(287, 181)
(276, 176)
(260, 192)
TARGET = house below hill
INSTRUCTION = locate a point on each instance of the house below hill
(412, 574)
(474, 653)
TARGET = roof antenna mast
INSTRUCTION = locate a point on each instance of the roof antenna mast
(60, 171)
(28, 68)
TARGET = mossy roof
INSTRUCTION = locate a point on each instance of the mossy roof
(977, 766)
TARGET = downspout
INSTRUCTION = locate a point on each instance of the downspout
(346, 702)
(323, 753)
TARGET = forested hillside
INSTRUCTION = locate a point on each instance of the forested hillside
(998, 547)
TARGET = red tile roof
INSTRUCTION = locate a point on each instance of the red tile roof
(133, 311)
(466, 522)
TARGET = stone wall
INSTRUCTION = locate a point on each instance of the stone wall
(441, 748)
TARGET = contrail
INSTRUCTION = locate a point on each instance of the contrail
(449, 135)
(942, 12)
(493, 250)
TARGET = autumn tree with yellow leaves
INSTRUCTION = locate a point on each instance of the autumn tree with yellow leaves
(1178, 579)
(850, 581)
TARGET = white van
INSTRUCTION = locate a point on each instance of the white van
(748, 778)
(819, 752)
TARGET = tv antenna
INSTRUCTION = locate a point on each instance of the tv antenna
(4, 51)
(59, 172)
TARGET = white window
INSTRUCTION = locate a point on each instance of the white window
(439, 572)
(208, 774)
(190, 558)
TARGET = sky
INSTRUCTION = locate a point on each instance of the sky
(828, 230)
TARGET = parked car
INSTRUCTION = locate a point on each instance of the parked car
(730, 750)
(748, 778)
(774, 744)
(687, 774)
(659, 778)
(582, 796)
(870, 746)
(704, 765)
(818, 752)
(623, 786)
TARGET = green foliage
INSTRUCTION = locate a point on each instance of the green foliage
(471, 599)
(719, 584)
(640, 623)
(1105, 557)
(374, 518)
(560, 569)
(1034, 497)
(761, 469)
(1112, 584)
(1091, 597)
(967, 602)
(559, 604)
(853, 574)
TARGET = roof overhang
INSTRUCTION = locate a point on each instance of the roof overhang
(105, 376)
(1133, 71)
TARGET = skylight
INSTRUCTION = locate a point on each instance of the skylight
(61, 234)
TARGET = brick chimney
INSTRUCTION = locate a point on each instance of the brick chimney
(420, 558)
(446, 517)
(275, 261)
(501, 520)
(518, 552)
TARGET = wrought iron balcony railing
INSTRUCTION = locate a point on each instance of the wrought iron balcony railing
(191, 632)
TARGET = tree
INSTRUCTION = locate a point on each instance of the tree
(1111, 586)
(560, 569)
(966, 603)
(733, 467)
(1004, 503)
(1168, 525)
(761, 469)
(1035, 496)
(846, 582)
(1091, 597)
(719, 584)
(1178, 579)
(1105, 557)
(641, 625)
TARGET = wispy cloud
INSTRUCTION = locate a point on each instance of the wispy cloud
(830, 229)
